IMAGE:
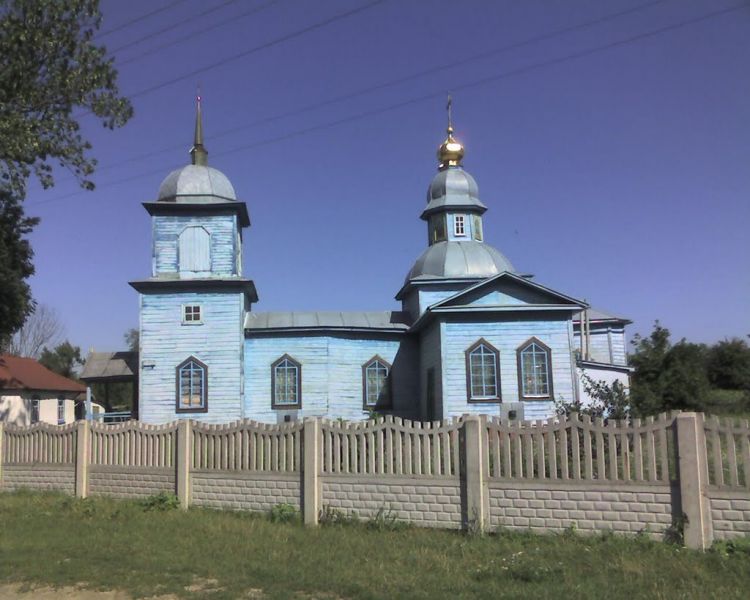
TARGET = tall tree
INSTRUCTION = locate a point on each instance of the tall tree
(42, 328)
(729, 365)
(64, 359)
(132, 339)
(50, 67)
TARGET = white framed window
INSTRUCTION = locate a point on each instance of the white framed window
(476, 226)
(534, 370)
(34, 409)
(459, 225)
(376, 388)
(286, 383)
(61, 411)
(192, 386)
(482, 372)
(192, 314)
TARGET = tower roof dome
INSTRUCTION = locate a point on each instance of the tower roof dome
(459, 260)
(197, 183)
(453, 188)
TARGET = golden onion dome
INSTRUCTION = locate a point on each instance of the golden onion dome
(450, 152)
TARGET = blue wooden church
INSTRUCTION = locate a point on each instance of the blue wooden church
(473, 335)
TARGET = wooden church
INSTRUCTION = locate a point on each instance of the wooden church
(472, 336)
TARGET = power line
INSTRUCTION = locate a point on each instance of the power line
(192, 34)
(394, 82)
(138, 19)
(436, 94)
(264, 46)
(171, 26)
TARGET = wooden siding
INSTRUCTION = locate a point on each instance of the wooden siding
(606, 346)
(221, 228)
(166, 342)
(430, 353)
(331, 373)
(506, 337)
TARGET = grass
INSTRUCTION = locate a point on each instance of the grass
(728, 403)
(146, 548)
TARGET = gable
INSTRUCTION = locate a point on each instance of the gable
(507, 290)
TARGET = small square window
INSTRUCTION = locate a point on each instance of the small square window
(191, 313)
(459, 227)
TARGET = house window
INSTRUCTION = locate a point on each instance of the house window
(476, 224)
(534, 370)
(191, 314)
(376, 384)
(61, 411)
(437, 229)
(35, 409)
(459, 227)
(286, 383)
(192, 386)
(482, 372)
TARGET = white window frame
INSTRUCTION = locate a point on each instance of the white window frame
(34, 417)
(536, 348)
(286, 364)
(382, 390)
(482, 350)
(192, 321)
(459, 225)
(192, 366)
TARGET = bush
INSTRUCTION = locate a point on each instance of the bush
(162, 501)
(283, 513)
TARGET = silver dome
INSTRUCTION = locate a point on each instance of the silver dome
(455, 260)
(196, 184)
(453, 187)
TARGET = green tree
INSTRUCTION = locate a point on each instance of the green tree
(666, 376)
(729, 365)
(50, 67)
(63, 359)
(132, 339)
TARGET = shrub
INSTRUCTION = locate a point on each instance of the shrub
(283, 513)
(162, 501)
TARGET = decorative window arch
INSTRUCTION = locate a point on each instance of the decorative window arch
(534, 370)
(286, 383)
(194, 251)
(192, 386)
(483, 372)
(376, 383)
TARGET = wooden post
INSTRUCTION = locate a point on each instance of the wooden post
(2, 458)
(474, 477)
(184, 454)
(83, 445)
(311, 492)
(693, 474)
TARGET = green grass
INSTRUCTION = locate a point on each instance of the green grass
(146, 549)
(728, 403)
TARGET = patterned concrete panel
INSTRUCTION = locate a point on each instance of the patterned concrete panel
(134, 482)
(244, 490)
(39, 477)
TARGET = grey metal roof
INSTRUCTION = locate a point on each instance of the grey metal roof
(453, 187)
(196, 184)
(453, 260)
(110, 365)
(376, 320)
(599, 315)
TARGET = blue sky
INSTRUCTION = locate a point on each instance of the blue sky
(613, 157)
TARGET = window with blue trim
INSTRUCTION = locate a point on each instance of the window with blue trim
(534, 370)
(286, 383)
(376, 383)
(192, 386)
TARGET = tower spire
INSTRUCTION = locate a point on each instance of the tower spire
(198, 152)
(451, 151)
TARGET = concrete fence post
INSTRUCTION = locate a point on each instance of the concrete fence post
(693, 475)
(184, 462)
(83, 448)
(474, 477)
(311, 448)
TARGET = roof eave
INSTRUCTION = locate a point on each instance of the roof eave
(172, 208)
(247, 286)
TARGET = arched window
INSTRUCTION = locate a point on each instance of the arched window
(483, 372)
(195, 250)
(376, 385)
(286, 383)
(192, 386)
(534, 370)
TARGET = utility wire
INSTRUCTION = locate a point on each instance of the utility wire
(394, 82)
(172, 25)
(436, 94)
(193, 34)
(264, 46)
(138, 19)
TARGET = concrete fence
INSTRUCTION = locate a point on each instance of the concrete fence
(678, 471)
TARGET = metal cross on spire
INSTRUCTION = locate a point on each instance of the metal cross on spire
(198, 152)
(449, 108)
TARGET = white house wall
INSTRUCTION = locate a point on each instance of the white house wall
(15, 407)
